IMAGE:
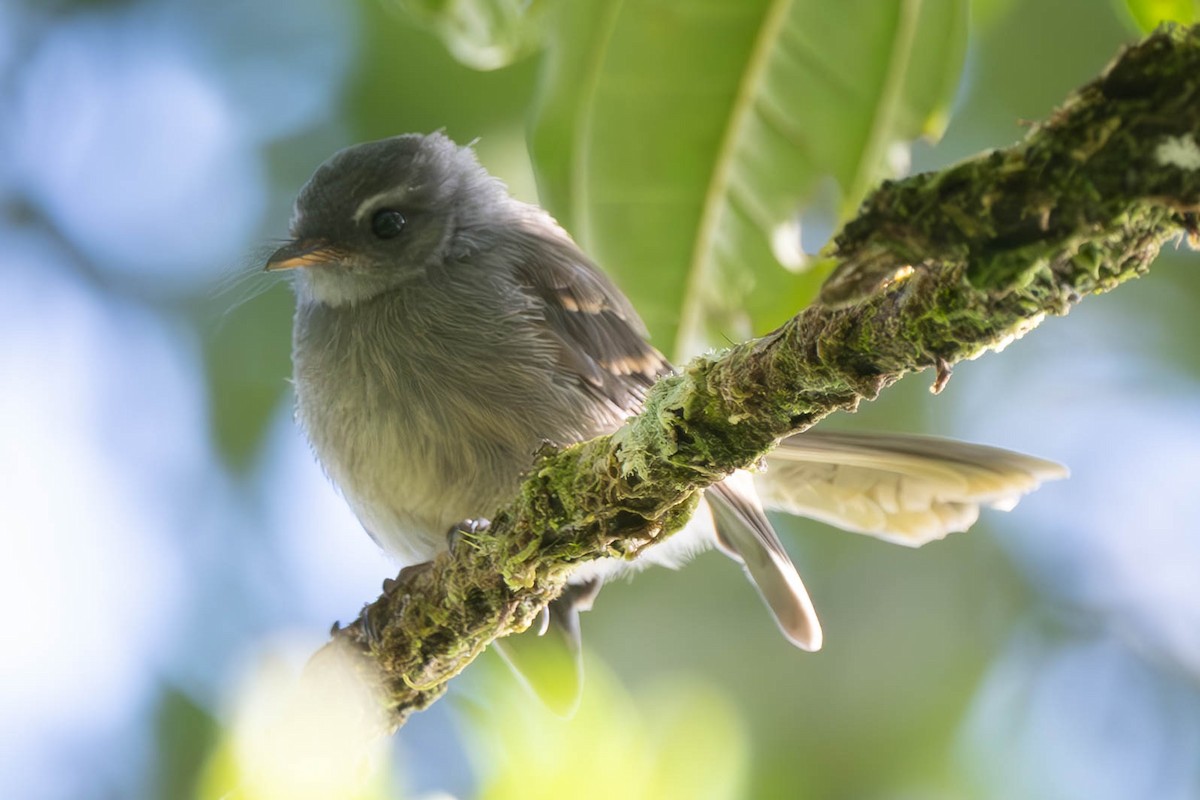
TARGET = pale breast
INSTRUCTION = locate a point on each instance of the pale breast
(423, 422)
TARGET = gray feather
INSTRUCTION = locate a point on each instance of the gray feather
(745, 534)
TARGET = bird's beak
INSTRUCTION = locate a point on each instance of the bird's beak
(302, 253)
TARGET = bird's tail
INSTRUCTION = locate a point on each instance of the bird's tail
(744, 534)
(903, 488)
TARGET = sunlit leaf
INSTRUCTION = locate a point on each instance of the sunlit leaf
(1147, 14)
(483, 34)
(678, 140)
(677, 738)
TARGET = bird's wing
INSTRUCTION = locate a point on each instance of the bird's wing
(604, 344)
(903, 488)
(601, 340)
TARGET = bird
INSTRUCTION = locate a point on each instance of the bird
(445, 332)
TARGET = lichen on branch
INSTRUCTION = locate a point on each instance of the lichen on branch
(934, 269)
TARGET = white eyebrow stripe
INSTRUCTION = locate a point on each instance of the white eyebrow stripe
(378, 200)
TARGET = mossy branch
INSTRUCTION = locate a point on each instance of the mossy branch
(935, 269)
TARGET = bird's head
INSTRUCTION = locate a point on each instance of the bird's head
(380, 214)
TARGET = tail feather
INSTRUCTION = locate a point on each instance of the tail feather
(903, 488)
(745, 534)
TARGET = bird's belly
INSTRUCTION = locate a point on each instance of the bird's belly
(409, 481)
(424, 429)
(413, 467)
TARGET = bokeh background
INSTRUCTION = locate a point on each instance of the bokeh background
(167, 532)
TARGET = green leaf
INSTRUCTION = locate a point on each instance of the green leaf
(677, 140)
(986, 13)
(483, 34)
(1148, 14)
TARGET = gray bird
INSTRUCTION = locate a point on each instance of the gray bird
(444, 331)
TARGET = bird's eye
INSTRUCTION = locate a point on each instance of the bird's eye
(387, 223)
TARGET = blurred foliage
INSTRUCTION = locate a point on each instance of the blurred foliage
(185, 733)
(677, 739)
(407, 81)
(910, 633)
(299, 737)
(1149, 14)
(677, 141)
(985, 12)
(484, 34)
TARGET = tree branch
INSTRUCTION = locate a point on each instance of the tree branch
(935, 269)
